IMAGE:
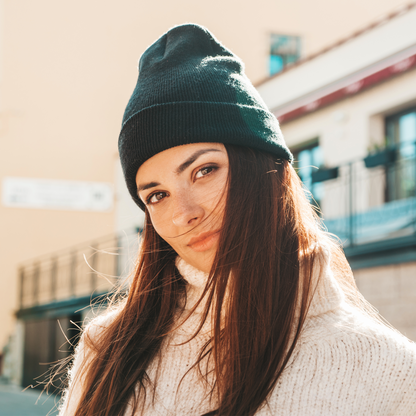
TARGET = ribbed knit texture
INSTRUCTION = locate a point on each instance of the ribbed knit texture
(191, 89)
(345, 364)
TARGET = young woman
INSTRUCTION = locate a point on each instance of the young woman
(240, 303)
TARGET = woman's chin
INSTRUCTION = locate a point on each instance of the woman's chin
(201, 260)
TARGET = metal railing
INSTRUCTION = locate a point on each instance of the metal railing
(83, 270)
(372, 199)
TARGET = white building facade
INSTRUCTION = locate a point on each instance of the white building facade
(351, 112)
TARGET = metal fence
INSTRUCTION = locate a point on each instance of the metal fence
(372, 199)
(82, 270)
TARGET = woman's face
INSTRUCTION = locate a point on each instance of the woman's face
(184, 191)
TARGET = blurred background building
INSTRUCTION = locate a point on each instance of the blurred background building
(345, 96)
(350, 111)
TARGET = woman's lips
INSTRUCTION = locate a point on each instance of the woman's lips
(204, 241)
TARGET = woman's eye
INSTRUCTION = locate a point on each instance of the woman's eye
(156, 197)
(204, 171)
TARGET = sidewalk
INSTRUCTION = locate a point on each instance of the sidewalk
(14, 402)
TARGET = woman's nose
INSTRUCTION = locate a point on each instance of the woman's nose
(187, 212)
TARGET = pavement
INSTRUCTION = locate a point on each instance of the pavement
(15, 402)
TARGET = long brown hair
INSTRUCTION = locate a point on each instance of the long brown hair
(261, 277)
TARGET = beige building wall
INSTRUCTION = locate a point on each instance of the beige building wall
(392, 290)
(66, 72)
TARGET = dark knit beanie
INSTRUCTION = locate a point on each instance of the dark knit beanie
(191, 89)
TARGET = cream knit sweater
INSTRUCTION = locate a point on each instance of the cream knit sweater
(344, 364)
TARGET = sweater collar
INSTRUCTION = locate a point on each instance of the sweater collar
(327, 294)
(196, 280)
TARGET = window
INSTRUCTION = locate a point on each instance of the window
(401, 135)
(284, 50)
(307, 158)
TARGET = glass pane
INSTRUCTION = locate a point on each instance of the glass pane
(305, 167)
(317, 156)
(284, 45)
(408, 127)
(290, 59)
(276, 64)
(308, 161)
(407, 134)
(401, 131)
(284, 50)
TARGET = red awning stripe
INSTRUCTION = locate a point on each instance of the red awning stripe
(351, 89)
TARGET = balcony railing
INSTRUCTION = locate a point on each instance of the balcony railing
(372, 199)
(84, 270)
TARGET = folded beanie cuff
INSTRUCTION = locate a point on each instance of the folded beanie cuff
(162, 126)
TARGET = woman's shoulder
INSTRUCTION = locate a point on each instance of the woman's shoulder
(84, 352)
(350, 364)
(372, 359)
(94, 326)
(385, 344)
(93, 329)
(334, 319)
(357, 329)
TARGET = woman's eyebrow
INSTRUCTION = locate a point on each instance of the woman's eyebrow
(191, 159)
(147, 186)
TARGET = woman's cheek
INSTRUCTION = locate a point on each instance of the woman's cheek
(162, 224)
